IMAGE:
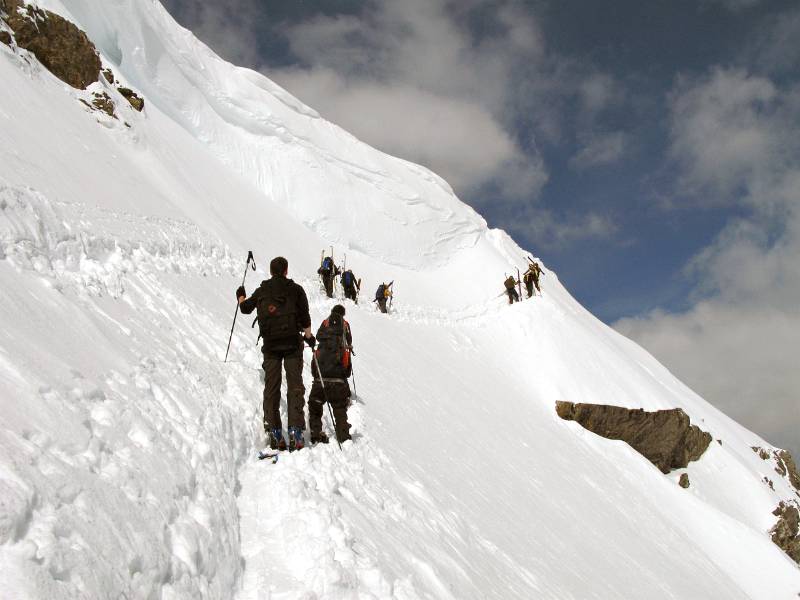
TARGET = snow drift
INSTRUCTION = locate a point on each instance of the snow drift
(127, 464)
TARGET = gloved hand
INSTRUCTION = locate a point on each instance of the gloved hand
(240, 292)
(311, 341)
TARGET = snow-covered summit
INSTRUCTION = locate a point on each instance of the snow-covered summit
(127, 449)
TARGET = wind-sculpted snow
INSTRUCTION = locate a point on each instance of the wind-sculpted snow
(285, 149)
(127, 447)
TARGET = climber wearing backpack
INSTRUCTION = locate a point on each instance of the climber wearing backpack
(382, 294)
(350, 285)
(332, 362)
(328, 270)
(535, 270)
(511, 289)
(282, 309)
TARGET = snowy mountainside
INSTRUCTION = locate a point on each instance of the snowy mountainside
(127, 464)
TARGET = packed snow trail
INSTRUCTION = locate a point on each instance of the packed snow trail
(127, 447)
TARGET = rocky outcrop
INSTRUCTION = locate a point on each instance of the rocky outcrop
(5, 38)
(136, 101)
(786, 533)
(59, 45)
(684, 480)
(666, 437)
(103, 102)
(786, 467)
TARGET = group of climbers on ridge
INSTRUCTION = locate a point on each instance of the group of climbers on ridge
(530, 279)
(284, 323)
(328, 271)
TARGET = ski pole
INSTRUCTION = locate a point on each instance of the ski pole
(325, 395)
(353, 375)
(236, 314)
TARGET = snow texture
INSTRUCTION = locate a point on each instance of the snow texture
(127, 447)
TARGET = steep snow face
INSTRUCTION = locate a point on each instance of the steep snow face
(127, 464)
(323, 176)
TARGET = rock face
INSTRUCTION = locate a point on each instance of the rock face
(666, 437)
(58, 44)
(137, 102)
(5, 38)
(786, 530)
(684, 480)
(786, 468)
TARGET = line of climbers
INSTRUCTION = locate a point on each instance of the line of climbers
(328, 272)
(530, 279)
(284, 324)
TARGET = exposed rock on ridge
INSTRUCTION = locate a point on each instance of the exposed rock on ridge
(59, 45)
(666, 437)
(786, 532)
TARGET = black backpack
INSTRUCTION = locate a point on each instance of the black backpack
(381, 293)
(277, 314)
(332, 352)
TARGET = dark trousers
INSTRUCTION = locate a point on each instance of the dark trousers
(529, 287)
(382, 305)
(295, 390)
(327, 281)
(350, 292)
(338, 394)
(513, 296)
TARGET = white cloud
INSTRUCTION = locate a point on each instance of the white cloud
(736, 138)
(601, 149)
(412, 78)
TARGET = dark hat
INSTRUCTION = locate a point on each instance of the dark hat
(338, 309)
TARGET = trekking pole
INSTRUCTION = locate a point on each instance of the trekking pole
(353, 375)
(325, 395)
(250, 259)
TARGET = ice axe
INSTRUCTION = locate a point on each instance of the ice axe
(251, 263)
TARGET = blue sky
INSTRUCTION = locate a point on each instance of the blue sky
(647, 151)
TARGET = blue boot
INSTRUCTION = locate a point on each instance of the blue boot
(276, 441)
(296, 441)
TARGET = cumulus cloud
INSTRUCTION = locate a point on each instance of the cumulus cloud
(420, 80)
(601, 149)
(735, 136)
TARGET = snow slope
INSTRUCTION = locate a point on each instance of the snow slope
(127, 447)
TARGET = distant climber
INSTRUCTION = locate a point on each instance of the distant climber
(282, 309)
(511, 289)
(332, 357)
(350, 285)
(328, 271)
(531, 277)
(382, 295)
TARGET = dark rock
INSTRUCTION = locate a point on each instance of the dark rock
(684, 480)
(109, 75)
(103, 102)
(719, 442)
(786, 466)
(785, 532)
(762, 453)
(769, 482)
(59, 45)
(136, 101)
(666, 437)
(6, 38)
